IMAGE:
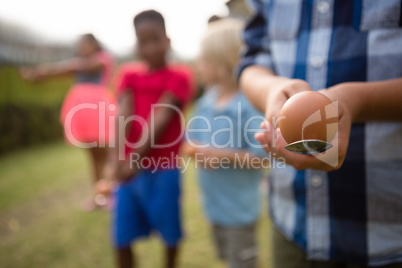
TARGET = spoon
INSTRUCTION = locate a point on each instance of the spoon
(308, 147)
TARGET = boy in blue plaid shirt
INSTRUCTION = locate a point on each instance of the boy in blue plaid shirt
(344, 209)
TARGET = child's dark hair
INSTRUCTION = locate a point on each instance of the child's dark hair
(150, 15)
(91, 38)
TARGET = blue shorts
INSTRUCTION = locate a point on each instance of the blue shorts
(148, 202)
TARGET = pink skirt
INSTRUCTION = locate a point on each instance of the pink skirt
(88, 116)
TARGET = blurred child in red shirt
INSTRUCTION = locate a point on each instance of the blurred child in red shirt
(148, 195)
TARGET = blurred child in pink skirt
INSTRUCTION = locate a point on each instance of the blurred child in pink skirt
(89, 106)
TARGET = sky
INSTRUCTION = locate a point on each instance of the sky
(111, 20)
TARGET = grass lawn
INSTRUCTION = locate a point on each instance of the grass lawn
(42, 224)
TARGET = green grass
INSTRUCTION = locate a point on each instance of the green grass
(41, 224)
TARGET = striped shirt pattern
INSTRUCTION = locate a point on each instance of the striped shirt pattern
(353, 214)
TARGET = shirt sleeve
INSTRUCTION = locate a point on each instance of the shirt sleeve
(125, 82)
(256, 39)
(182, 86)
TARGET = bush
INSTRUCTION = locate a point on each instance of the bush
(28, 125)
(29, 112)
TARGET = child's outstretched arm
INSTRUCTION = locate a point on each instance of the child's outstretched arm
(370, 101)
(265, 89)
(44, 71)
(118, 168)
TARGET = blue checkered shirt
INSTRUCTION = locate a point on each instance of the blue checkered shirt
(353, 214)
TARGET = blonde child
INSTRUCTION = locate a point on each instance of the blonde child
(223, 151)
